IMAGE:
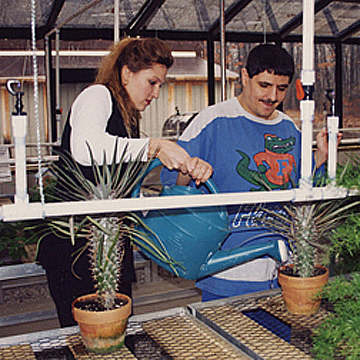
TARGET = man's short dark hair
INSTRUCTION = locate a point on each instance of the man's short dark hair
(272, 58)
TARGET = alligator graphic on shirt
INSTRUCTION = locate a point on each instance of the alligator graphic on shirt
(275, 165)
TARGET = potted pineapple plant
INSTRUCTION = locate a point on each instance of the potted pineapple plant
(102, 317)
(307, 227)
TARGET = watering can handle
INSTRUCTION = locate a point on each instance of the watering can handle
(154, 164)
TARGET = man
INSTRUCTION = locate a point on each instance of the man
(252, 147)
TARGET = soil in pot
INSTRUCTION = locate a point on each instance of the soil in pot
(289, 270)
(300, 294)
(103, 331)
(95, 305)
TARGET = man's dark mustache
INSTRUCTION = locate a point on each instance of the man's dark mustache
(270, 102)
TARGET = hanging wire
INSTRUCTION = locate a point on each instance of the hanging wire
(36, 98)
(264, 20)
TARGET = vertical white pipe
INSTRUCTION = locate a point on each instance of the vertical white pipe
(48, 89)
(36, 101)
(19, 128)
(222, 50)
(333, 128)
(307, 106)
(116, 21)
(308, 42)
(57, 86)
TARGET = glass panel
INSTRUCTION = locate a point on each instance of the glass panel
(344, 14)
(100, 15)
(350, 85)
(334, 18)
(18, 13)
(187, 15)
(274, 14)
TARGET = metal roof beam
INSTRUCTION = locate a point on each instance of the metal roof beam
(202, 14)
(298, 19)
(144, 16)
(270, 14)
(15, 33)
(234, 9)
(108, 34)
(349, 31)
(51, 21)
(332, 24)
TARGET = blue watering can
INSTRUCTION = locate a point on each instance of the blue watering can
(192, 237)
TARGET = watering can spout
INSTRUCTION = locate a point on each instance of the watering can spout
(224, 259)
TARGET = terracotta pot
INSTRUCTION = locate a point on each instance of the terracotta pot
(102, 331)
(299, 293)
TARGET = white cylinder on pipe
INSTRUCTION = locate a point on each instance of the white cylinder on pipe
(307, 116)
(333, 128)
(19, 128)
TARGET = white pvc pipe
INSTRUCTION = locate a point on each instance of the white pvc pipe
(37, 210)
(48, 86)
(333, 128)
(19, 128)
(116, 21)
(32, 159)
(222, 50)
(307, 106)
(308, 73)
(57, 86)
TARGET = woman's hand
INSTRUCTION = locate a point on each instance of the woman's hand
(169, 153)
(175, 157)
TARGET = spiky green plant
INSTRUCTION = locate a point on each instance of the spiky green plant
(307, 228)
(338, 336)
(105, 232)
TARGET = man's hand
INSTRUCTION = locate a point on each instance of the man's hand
(175, 157)
(321, 154)
(196, 169)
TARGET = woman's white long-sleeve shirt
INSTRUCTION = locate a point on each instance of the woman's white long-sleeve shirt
(89, 117)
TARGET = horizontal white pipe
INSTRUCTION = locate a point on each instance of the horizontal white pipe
(11, 53)
(100, 53)
(12, 212)
(51, 144)
(350, 141)
(47, 144)
(32, 159)
(349, 129)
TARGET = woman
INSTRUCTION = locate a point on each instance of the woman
(128, 79)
